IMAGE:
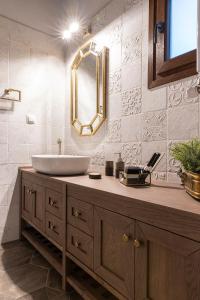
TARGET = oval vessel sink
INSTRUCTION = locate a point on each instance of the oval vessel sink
(60, 164)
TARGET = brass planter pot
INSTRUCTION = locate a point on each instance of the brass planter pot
(192, 184)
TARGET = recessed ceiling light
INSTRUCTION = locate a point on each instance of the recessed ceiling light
(74, 27)
(66, 35)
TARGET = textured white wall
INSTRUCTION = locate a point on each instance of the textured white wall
(140, 121)
(34, 63)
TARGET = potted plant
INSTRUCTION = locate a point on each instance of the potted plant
(188, 154)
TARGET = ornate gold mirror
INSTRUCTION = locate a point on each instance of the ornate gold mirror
(88, 89)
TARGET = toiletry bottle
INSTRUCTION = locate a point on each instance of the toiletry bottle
(109, 168)
(119, 166)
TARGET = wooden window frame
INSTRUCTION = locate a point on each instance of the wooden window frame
(162, 70)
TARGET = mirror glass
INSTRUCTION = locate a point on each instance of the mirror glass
(88, 89)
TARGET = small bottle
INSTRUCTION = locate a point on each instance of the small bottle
(109, 168)
(119, 166)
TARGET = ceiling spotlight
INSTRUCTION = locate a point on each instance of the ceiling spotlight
(74, 27)
(66, 35)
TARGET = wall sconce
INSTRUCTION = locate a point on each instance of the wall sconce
(73, 28)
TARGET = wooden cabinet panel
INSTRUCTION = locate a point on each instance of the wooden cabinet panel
(54, 203)
(38, 199)
(80, 245)
(27, 203)
(80, 215)
(167, 266)
(33, 204)
(54, 228)
(114, 250)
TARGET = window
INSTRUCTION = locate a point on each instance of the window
(172, 40)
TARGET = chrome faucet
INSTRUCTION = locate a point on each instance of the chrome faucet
(59, 142)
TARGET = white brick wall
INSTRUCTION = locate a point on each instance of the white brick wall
(34, 63)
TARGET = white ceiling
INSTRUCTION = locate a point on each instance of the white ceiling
(49, 16)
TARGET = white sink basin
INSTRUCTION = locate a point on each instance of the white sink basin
(60, 164)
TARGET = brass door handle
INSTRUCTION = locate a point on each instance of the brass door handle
(137, 243)
(125, 238)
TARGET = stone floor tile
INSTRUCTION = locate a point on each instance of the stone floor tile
(54, 280)
(42, 294)
(38, 260)
(6, 297)
(17, 282)
(16, 256)
(26, 275)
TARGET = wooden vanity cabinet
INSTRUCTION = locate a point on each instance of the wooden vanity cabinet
(113, 250)
(135, 249)
(167, 266)
(33, 205)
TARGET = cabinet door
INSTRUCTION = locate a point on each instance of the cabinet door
(167, 266)
(38, 200)
(114, 250)
(27, 204)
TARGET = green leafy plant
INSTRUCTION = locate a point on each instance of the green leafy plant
(188, 154)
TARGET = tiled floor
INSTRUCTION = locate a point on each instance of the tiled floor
(25, 275)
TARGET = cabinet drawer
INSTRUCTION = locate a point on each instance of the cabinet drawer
(80, 245)
(80, 215)
(54, 203)
(54, 228)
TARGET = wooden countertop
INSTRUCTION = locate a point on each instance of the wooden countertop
(160, 193)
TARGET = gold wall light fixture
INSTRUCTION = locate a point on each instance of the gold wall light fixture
(7, 95)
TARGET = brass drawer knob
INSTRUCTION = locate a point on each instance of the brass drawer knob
(77, 244)
(125, 238)
(77, 213)
(51, 226)
(52, 203)
(136, 243)
(30, 192)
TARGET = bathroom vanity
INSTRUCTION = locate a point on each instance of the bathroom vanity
(109, 241)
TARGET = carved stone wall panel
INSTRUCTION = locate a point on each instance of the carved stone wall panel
(162, 176)
(154, 126)
(98, 158)
(173, 165)
(114, 35)
(131, 3)
(115, 82)
(114, 131)
(131, 102)
(132, 154)
(131, 49)
(183, 92)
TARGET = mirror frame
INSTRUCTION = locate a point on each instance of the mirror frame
(90, 48)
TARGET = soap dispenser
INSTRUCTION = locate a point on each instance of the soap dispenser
(119, 166)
